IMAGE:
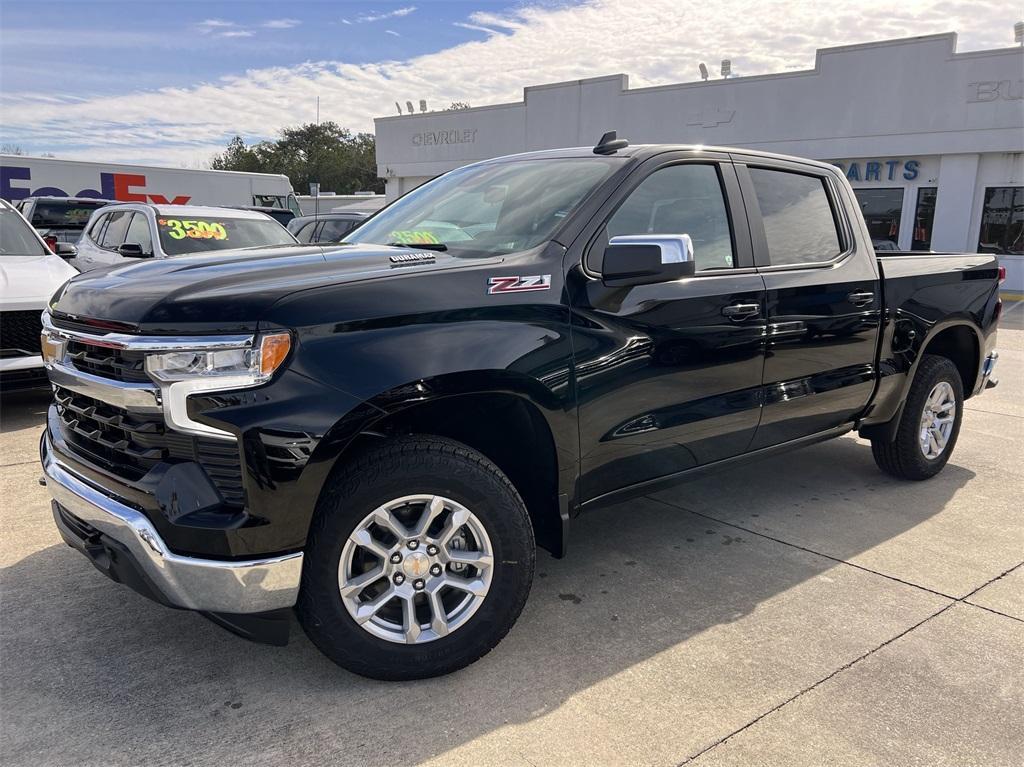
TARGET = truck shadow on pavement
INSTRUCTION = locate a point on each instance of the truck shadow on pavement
(93, 673)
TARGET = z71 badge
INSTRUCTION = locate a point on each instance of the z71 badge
(518, 284)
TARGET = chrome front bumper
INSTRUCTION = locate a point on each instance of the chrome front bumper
(250, 586)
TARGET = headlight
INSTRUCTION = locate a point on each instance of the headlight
(256, 365)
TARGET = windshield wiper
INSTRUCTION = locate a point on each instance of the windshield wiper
(419, 245)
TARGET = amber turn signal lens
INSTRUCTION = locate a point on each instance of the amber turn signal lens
(273, 350)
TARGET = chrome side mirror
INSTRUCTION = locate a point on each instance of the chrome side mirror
(646, 259)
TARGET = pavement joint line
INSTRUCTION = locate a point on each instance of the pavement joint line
(850, 664)
(811, 551)
(973, 409)
(817, 684)
(995, 612)
(19, 463)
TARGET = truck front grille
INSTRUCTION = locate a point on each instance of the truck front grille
(117, 364)
(19, 334)
(131, 443)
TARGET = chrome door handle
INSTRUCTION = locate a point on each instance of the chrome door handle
(741, 311)
(860, 299)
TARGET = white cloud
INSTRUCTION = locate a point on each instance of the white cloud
(280, 23)
(236, 33)
(211, 25)
(367, 18)
(391, 32)
(663, 44)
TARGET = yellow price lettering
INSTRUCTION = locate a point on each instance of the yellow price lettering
(205, 230)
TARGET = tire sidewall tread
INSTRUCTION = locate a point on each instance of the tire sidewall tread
(902, 457)
(405, 466)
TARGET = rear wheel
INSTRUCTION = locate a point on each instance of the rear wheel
(929, 425)
(419, 561)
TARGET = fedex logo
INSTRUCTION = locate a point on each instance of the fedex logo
(123, 187)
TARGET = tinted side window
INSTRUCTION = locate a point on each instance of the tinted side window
(798, 220)
(305, 234)
(96, 230)
(139, 233)
(334, 230)
(113, 236)
(681, 199)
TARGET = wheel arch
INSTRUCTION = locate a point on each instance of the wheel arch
(957, 339)
(508, 419)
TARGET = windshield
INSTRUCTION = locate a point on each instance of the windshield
(17, 237)
(182, 235)
(488, 209)
(64, 213)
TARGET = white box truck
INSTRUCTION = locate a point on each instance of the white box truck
(22, 177)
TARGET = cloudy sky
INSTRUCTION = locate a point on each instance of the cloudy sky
(170, 82)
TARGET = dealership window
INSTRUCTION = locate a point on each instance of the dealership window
(680, 199)
(798, 221)
(1002, 221)
(924, 216)
(882, 209)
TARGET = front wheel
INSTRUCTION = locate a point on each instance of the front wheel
(419, 561)
(929, 425)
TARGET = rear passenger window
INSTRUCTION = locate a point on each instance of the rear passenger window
(681, 199)
(113, 236)
(798, 220)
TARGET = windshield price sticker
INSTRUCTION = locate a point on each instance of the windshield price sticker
(413, 237)
(179, 229)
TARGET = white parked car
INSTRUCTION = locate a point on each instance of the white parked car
(119, 232)
(30, 273)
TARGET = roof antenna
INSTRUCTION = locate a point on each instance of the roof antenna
(609, 144)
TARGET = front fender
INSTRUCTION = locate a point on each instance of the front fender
(342, 379)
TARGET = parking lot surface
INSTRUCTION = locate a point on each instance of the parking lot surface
(804, 610)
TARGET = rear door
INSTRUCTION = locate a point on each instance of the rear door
(668, 375)
(823, 299)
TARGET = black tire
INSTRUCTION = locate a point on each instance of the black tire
(903, 457)
(405, 466)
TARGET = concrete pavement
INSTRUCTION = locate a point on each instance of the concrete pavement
(802, 610)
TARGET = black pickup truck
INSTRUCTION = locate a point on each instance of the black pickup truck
(379, 433)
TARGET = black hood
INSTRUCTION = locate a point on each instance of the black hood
(227, 291)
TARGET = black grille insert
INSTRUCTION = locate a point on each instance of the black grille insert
(130, 444)
(118, 364)
(19, 333)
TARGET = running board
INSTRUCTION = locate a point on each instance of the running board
(661, 483)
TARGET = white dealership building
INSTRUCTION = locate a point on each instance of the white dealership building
(931, 139)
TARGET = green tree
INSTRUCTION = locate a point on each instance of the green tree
(341, 161)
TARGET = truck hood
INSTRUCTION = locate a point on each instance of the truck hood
(227, 291)
(27, 282)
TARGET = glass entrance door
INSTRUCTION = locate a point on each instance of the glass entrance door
(882, 209)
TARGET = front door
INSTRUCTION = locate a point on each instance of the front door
(823, 299)
(668, 375)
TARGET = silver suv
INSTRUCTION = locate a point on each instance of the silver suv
(117, 233)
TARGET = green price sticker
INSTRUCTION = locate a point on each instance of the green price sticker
(179, 229)
(413, 237)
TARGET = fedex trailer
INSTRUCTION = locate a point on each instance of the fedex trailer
(22, 177)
